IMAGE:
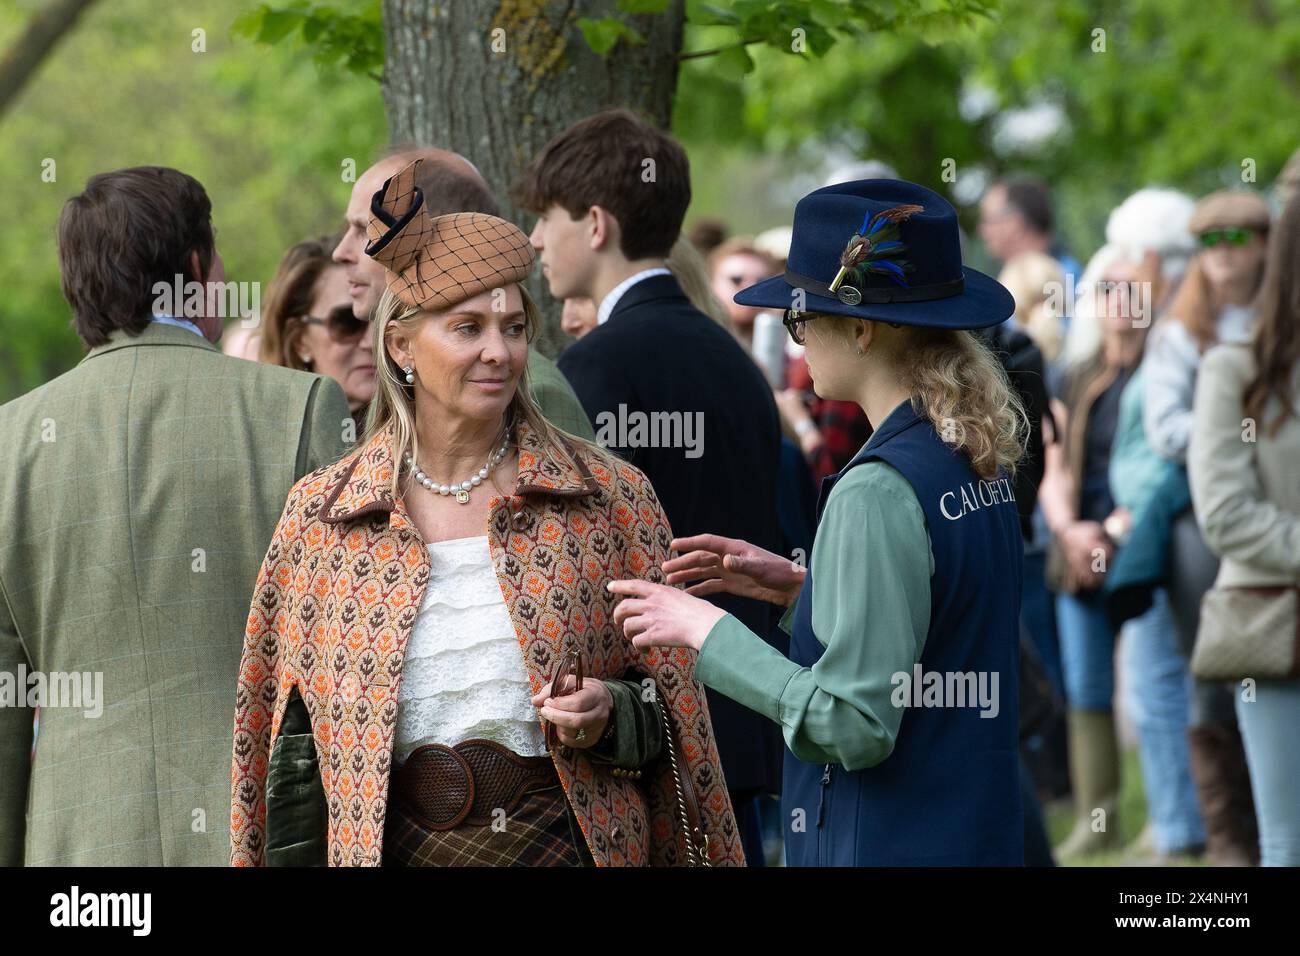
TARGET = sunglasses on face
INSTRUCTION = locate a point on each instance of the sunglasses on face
(341, 324)
(1234, 237)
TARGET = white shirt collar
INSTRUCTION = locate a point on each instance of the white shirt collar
(180, 324)
(607, 304)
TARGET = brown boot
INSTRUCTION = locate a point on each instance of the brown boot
(1094, 773)
(1223, 791)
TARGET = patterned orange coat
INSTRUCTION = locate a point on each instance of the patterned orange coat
(337, 597)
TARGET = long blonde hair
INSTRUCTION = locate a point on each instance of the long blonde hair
(692, 274)
(394, 404)
(958, 384)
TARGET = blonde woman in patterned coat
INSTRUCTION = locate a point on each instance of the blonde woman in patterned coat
(419, 596)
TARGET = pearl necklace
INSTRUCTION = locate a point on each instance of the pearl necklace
(460, 490)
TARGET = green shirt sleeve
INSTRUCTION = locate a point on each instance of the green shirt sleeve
(871, 566)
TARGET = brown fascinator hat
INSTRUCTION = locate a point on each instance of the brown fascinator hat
(434, 263)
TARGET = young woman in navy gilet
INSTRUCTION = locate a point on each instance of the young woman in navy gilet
(898, 699)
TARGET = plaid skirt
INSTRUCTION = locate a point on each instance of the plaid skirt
(537, 833)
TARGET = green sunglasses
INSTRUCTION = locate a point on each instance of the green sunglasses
(1234, 237)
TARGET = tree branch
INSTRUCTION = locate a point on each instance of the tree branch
(699, 54)
(46, 28)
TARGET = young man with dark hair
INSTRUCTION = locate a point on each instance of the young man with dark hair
(139, 500)
(664, 385)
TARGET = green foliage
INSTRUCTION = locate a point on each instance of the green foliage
(1184, 94)
(353, 40)
(266, 135)
(770, 92)
(603, 34)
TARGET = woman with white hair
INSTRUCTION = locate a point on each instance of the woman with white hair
(1080, 510)
(1151, 229)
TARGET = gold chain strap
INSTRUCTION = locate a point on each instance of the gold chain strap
(695, 855)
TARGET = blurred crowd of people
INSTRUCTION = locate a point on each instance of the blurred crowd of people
(1106, 357)
(1160, 383)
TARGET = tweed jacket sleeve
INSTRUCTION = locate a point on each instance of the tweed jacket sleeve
(15, 743)
(322, 439)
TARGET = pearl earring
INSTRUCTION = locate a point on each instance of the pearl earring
(410, 374)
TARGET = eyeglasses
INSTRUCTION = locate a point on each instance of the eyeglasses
(793, 321)
(341, 324)
(1234, 237)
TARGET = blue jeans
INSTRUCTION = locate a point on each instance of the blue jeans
(1087, 651)
(1269, 727)
(1158, 687)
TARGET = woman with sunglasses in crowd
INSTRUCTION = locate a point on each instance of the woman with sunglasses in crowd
(308, 324)
(1248, 504)
(1214, 304)
(898, 701)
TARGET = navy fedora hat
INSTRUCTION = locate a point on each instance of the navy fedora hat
(881, 249)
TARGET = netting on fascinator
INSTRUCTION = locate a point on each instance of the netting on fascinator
(437, 262)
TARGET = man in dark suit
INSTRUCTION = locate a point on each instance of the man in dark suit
(664, 385)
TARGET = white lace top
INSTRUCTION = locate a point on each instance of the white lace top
(463, 676)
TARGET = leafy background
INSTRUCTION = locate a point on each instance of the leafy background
(1183, 93)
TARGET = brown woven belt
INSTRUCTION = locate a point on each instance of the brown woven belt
(443, 787)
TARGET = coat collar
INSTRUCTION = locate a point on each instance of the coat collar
(155, 333)
(647, 290)
(360, 483)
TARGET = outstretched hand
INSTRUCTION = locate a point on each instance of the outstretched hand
(718, 565)
(655, 615)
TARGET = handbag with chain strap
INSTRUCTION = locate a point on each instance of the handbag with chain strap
(688, 809)
(1248, 632)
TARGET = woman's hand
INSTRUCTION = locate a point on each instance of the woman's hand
(1083, 542)
(729, 566)
(587, 709)
(655, 615)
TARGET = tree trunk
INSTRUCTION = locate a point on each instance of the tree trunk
(449, 83)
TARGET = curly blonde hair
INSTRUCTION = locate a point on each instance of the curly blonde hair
(958, 384)
(961, 387)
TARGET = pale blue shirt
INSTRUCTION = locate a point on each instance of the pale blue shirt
(180, 324)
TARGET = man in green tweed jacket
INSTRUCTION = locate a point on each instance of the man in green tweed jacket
(138, 495)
